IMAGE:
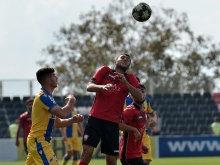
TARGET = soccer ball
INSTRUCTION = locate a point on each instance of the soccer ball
(141, 12)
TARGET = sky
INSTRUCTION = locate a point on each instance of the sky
(27, 26)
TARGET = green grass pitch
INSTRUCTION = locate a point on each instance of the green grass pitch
(158, 161)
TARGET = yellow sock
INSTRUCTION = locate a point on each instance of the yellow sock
(75, 161)
(64, 162)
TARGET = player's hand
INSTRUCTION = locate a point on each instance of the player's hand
(152, 122)
(77, 118)
(64, 138)
(17, 143)
(120, 77)
(144, 149)
(70, 97)
(108, 87)
(137, 135)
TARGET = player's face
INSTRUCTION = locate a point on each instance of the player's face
(123, 62)
(29, 106)
(143, 92)
(53, 80)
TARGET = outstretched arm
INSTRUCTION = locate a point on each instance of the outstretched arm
(65, 122)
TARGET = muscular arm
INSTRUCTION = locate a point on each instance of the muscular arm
(126, 128)
(63, 112)
(65, 122)
(80, 128)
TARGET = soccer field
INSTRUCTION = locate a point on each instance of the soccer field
(160, 161)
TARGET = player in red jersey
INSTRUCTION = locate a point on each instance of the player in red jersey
(25, 124)
(133, 115)
(111, 87)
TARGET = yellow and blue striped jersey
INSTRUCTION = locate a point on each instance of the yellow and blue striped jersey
(42, 119)
(72, 130)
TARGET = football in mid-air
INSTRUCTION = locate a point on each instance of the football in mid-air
(141, 12)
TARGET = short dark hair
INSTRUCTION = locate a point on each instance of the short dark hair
(142, 87)
(126, 54)
(30, 100)
(216, 119)
(43, 73)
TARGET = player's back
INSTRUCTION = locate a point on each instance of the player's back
(42, 119)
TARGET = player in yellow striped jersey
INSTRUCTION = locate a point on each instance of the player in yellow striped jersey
(152, 119)
(45, 114)
(71, 140)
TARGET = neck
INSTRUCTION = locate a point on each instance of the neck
(49, 89)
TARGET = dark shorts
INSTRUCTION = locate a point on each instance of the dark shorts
(108, 132)
(134, 161)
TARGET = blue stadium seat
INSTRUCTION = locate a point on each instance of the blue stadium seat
(167, 95)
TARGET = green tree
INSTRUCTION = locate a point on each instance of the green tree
(164, 47)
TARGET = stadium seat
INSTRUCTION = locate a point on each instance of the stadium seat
(172, 108)
(186, 115)
(179, 102)
(197, 114)
(182, 108)
(193, 108)
(168, 121)
(203, 108)
(213, 108)
(177, 96)
(169, 102)
(207, 114)
(190, 101)
(175, 115)
(19, 105)
(200, 101)
(187, 95)
(182, 128)
(6, 99)
(167, 95)
(207, 95)
(197, 95)
(189, 121)
(16, 99)
(159, 102)
(162, 108)
(199, 121)
(157, 96)
(209, 101)
(192, 128)
(24, 99)
(179, 121)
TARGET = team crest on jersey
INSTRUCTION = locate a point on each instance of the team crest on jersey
(85, 137)
(51, 116)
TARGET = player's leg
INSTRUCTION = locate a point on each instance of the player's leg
(41, 152)
(30, 160)
(90, 140)
(110, 142)
(76, 150)
(69, 151)
(147, 158)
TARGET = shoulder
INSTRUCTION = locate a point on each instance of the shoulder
(148, 100)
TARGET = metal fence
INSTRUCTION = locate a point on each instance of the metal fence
(26, 87)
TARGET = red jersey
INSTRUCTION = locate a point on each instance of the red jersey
(108, 104)
(135, 117)
(25, 121)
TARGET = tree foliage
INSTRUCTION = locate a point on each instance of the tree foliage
(164, 47)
